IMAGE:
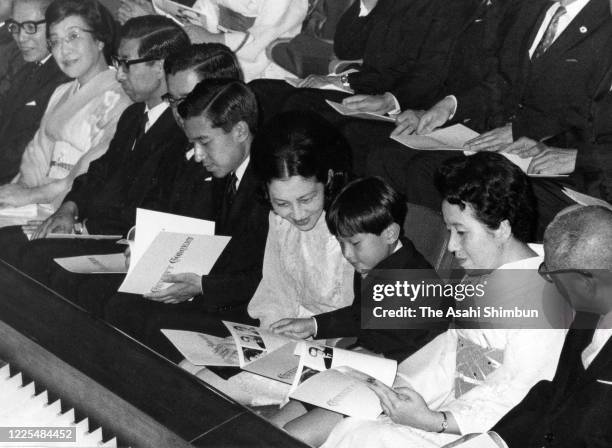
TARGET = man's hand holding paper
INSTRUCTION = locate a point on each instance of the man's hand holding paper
(185, 286)
(379, 104)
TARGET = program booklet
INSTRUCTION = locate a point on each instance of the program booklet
(172, 253)
(347, 111)
(251, 348)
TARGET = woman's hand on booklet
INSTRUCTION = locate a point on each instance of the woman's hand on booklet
(184, 288)
(378, 104)
(405, 406)
(407, 122)
(495, 140)
(295, 328)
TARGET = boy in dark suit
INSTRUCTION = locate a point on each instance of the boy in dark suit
(575, 408)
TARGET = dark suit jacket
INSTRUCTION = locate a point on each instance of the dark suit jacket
(235, 276)
(549, 96)
(460, 50)
(593, 173)
(11, 60)
(574, 410)
(395, 344)
(388, 40)
(117, 183)
(21, 110)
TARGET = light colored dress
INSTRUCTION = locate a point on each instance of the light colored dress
(304, 273)
(273, 19)
(514, 361)
(76, 129)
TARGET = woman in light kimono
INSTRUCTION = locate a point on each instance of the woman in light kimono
(467, 378)
(81, 116)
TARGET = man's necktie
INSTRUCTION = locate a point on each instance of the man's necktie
(549, 34)
(231, 189)
(142, 126)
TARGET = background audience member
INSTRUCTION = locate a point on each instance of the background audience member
(466, 379)
(11, 60)
(82, 115)
(574, 408)
(254, 25)
(36, 75)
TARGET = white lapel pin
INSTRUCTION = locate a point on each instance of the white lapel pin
(583, 29)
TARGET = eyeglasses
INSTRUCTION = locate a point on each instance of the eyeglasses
(126, 63)
(73, 36)
(548, 275)
(29, 26)
(172, 101)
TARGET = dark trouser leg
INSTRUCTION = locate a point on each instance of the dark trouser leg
(13, 244)
(420, 174)
(550, 201)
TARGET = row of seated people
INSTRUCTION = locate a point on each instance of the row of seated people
(307, 255)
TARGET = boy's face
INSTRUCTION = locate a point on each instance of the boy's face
(365, 250)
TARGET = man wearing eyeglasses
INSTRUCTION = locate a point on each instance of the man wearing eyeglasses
(575, 408)
(11, 60)
(23, 103)
(104, 200)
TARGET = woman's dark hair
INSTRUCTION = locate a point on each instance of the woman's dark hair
(302, 143)
(224, 102)
(95, 15)
(367, 205)
(494, 187)
(210, 60)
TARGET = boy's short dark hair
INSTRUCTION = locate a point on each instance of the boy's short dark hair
(209, 60)
(367, 205)
(225, 102)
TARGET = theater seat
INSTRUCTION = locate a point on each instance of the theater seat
(427, 231)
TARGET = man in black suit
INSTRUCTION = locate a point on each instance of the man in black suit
(550, 66)
(220, 119)
(389, 35)
(104, 200)
(23, 102)
(474, 31)
(11, 60)
(575, 408)
(551, 71)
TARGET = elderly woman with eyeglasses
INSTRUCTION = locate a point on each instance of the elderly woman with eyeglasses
(81, 116)
(469, 377)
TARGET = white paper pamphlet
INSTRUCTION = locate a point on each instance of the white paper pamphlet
(94, 264)
(343, 110)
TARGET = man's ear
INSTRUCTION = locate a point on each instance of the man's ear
(391, 233)
(241, 131)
